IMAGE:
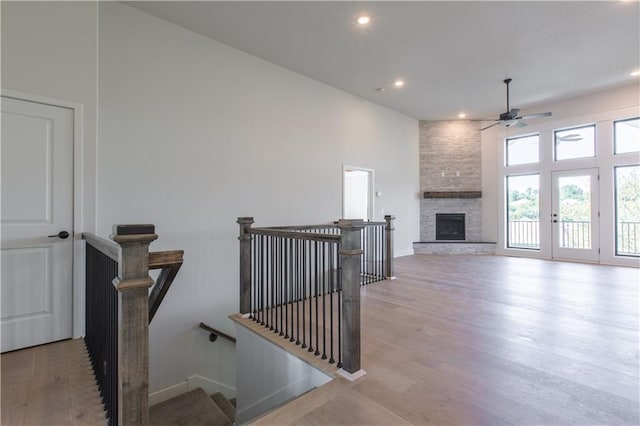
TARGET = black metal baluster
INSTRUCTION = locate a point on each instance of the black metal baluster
(304, 292)
(339, 301)
(331, 286)
(310, 284)
(281, 286)
(273, 280)
(262, 278)
(325, 251)
(298, 290)
(317, 295)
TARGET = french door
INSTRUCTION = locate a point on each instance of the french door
(574, 215)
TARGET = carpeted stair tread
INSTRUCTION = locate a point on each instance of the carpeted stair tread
(225, 405)
(193, 408)
(233, 402)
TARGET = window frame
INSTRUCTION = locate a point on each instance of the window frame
(564, 129)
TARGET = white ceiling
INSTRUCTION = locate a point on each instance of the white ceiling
(452, 55)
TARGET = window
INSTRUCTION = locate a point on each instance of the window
(627, 189)
(523, 211)
(626, 135)
(577, 142)
(523, 150)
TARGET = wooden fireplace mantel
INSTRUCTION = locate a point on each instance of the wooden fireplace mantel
(453, 194)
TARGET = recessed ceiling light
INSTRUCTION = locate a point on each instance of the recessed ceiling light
(398, 83)
(462, 115)
(635, 73)
(363, 20)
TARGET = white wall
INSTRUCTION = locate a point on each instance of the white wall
(49, 50)
(268, 376)
(599, 108)
(193, 134)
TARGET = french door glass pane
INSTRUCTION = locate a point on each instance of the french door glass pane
(523, 150)
(627, 210)
(523, 212)
(574, 212)
(627, 135)
(578, 142)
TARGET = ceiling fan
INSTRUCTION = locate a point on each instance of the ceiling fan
(511, 117)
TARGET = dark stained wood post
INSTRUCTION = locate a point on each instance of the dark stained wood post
(133, 284)
(389, 272)
(245, 263)
(350, 253)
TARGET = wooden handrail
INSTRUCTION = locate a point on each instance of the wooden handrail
(331, 238)
(163, 259)
(213, 333)
(170, 263)
(107, 247)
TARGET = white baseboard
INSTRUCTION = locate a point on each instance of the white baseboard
(193, 382)
(211, 386)
(274, 400)
(168, 393)
(402, 253)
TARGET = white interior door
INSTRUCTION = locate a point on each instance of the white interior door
(37, 204)
(574, 215)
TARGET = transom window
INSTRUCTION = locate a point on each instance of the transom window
(576, 142)
(626, 135)
(523, 150)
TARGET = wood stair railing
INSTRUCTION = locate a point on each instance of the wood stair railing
(120, 272)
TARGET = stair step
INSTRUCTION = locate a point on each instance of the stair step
(225, 405)
(194, 408)
(233, 402)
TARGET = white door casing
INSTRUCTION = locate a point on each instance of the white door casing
(574, 215)
(37, 201)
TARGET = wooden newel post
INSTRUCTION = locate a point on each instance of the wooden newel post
(245, 263)
(133, 284)
(389, 272)
(350, 253)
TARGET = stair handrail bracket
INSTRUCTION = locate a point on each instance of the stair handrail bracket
(133, 284)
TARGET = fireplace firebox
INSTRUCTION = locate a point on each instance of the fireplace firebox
(450, 226)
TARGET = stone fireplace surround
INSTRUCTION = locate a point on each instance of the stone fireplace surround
(450, 181)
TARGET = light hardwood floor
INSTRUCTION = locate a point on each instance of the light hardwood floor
(50, 385)
(490, 340)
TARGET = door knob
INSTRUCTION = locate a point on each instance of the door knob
(62, 235)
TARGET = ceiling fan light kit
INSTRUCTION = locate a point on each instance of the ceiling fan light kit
(510, 118)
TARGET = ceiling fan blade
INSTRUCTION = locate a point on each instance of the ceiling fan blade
(490, 126)
(542, 114)
(514, 111)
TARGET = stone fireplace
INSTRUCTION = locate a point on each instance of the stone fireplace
(451, 184)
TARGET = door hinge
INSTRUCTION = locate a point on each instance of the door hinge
(598, 214)
(598, 177)
(598, 251)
